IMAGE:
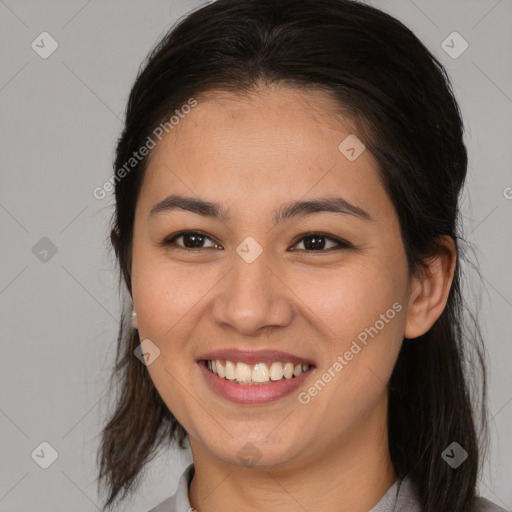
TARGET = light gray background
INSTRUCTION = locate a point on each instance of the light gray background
(61, 117)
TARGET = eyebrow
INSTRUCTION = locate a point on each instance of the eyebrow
(285, 212)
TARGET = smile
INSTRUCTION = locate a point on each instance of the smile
(257, 374)
(256, 384)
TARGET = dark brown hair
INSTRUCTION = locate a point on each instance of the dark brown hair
(401, 101)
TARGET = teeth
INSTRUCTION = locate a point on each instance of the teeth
(230, 370)
(288, 370)
(221, 371)
(259, 373)
(243, 372)
(276, 371)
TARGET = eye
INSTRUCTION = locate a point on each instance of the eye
(316, 242)
(191, 240)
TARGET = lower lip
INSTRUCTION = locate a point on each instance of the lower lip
(252, 393)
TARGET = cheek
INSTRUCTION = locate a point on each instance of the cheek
(162, 293)
(168, 304)
(346, 301)
(362, 312)
(165, 297)
(365, 319)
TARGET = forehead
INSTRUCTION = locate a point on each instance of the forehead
(273, 143)
(296, 114)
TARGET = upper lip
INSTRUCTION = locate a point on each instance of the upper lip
(252, 357)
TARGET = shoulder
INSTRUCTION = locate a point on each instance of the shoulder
(168, 505)
(408, 499)
(484, 505)
(179, 501)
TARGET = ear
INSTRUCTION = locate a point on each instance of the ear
(429, 291)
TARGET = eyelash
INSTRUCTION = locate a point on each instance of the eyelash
(342, 244)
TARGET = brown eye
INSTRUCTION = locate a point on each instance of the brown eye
(313, 242)
(317, 242)
(190, 240)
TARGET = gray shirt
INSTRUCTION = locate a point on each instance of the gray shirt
(400, 497)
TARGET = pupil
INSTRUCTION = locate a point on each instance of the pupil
(198, 238)
(310, 242)
(315, 244)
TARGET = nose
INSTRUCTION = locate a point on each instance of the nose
(253, 297)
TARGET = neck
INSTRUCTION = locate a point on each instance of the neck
(353, 474)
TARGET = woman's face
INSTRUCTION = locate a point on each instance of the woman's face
(258, 279)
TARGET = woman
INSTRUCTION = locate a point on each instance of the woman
(286, 226)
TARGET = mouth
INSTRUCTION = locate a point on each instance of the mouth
(252, 380)
(262, 373)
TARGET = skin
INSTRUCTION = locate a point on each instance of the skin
(252, 153)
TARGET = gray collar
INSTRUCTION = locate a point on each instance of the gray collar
(400, 497)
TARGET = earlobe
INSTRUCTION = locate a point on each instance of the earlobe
(134, 319)
(430, 290)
